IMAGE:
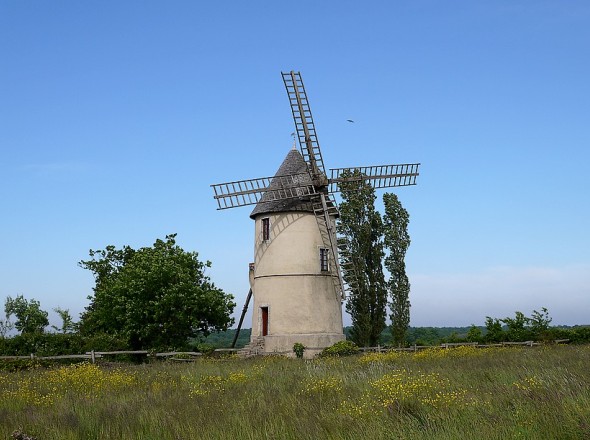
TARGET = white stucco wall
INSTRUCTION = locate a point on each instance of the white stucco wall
(303, 305)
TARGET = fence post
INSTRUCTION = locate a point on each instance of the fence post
(32, 356)
(92, 356)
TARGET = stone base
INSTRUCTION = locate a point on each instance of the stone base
(314, 343)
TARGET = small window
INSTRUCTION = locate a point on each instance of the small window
(265, 229)
(324, 267)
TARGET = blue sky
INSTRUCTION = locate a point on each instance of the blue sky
(115, 117)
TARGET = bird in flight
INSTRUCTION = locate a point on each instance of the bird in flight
(350, 120)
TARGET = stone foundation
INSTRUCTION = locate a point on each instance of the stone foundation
(314, 343)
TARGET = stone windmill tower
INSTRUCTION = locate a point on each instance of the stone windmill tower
(295, 279)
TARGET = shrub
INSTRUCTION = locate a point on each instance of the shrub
(474, 334)
(581, 334)
(298, 349)
(342, 348)
(206, 349)
(55, 344)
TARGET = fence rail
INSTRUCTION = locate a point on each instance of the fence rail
(191, 355)
(64, 356)
(380, 349)
(93, 355)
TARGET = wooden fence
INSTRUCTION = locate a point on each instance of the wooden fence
(460, 344)
(187, 356)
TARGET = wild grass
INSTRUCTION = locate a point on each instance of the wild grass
(461, 393)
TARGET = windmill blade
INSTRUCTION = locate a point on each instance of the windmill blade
(324, 207)
(380, 176)
(304, 126)
(249, 192)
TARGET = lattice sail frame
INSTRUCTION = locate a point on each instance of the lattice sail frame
(250, 191)
(304, 126)
(380, 176)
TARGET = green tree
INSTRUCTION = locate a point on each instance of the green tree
(539, 324)
(5, 327)
(518, 329)
(155, 296)
(423, 336)
(474, 334)
(29, 316)
(494, 332)
(360, 231)
(397, 241)
(67, 323)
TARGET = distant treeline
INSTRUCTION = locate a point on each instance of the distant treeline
(435, 335)
(53, 344)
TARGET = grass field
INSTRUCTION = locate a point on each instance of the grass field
(469, 393)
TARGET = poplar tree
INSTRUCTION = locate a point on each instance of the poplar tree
(360, 230)
(397, 241)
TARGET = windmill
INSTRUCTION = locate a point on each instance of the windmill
(295, 217)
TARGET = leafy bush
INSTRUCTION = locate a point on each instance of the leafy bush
(298, 349)
(55, 344)
(576, 334)
(474, 334)
(342, 348)
(206, 349)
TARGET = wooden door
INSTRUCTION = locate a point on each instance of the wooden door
(264, 311)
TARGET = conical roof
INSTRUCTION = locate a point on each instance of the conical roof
(293, 164)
